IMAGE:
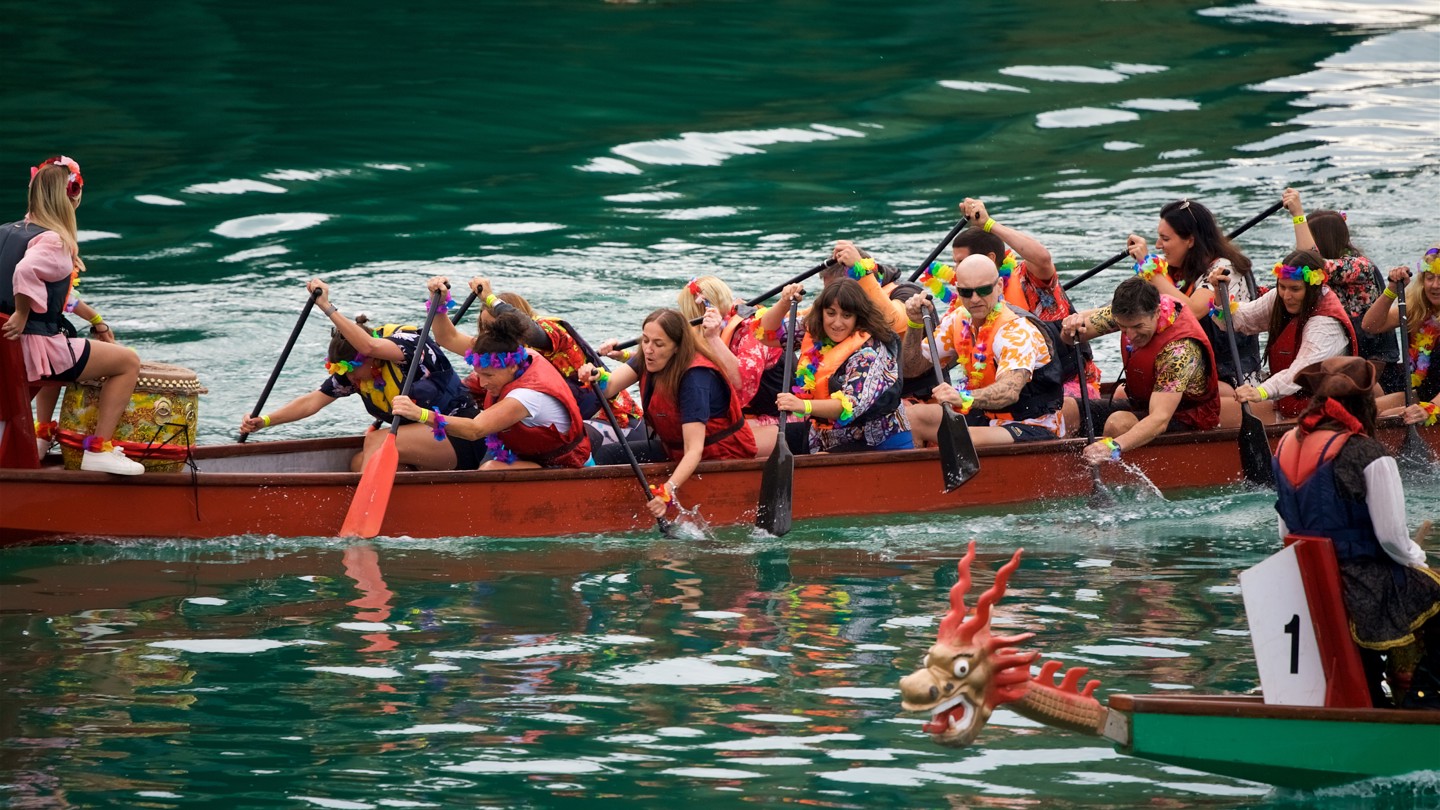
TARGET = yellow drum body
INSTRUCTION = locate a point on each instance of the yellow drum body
(161, 416)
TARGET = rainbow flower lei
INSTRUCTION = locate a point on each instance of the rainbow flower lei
(939, 279)
(444, 305)
(1151, 266)
(1422, 346)
(980, 349)
(342, 367)
(1007, 266)
(862, 268)
(805, 373)
(497, 359)
(502, 454)
(1218, 314)
(1305, 273)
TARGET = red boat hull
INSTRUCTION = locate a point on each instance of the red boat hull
(61, 505)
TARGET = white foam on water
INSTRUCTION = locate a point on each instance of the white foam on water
(555, 699)
(621, 640)
(643, 196)
(265, 224)
(760, 762)
(609, 165)
(304, 174)
(359, 672)
(207, 600)
(234, 187)
(711, 773)
(403, 803)
(515, 653)
(759, 651)
(679, 731)
(1121, 146)
(780, 743)
(435, 668)
(980, 87)
(529, 766)
(255, 253)
(559, 717)
(1214, 789)
(93, 236)
(158, 658)
(1160, 104)
(228, 646)
(909, 621)
(714, 148)
(629, 739)
(679, 672)
(334, 804)
(1178, 642)
(512, 228)
(878, 647)
(437, 728)
(703, 212)
(868, 692)
(1092, 563)
(1125, 651)
(161, 794)
(156, 199)
(777, 718)
(1135, 68)
(717, 614)
(1065, 73)
(1081, 117)
(1171, 686)
(373, 627)
(897, 777)
(388, 167)
(988, 759)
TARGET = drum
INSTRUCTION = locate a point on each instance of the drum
(158, 426)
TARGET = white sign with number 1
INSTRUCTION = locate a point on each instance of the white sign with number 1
(1282, 632)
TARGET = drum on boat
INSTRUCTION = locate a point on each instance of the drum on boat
(158, 426)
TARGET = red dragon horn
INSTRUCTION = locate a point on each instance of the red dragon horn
(980, 620)
(950, 625)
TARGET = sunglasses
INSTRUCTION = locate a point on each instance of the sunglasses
(1186, 206)
(968, 292)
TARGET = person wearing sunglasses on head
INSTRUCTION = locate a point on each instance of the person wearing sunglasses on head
(1010, 389)
(372, 363)
(1189, 246)
(1170, 379)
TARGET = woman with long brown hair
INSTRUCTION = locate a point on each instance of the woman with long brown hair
(40, 265)
(688, 402)
(1422, 337)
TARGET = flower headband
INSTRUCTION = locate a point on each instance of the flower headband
(73, 183)
(694, 289)
(1305, 273)
(1430, 263)
(342, 367)
(497, 359)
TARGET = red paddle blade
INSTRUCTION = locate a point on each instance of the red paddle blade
(372, 496)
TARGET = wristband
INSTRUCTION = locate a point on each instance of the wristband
(490, 300)
(96, 319)
(625, 355)
(600, 381)
(424, 418)
(967, 401)
(862, 268)
(914, 325)
(329, 310)
(989, 223)
(265, 420)
(1264, 395)
(1114, 447)
(1432, 413)
(445, 303)
(665, 492)
(1390, 293)
(1300, 220)
(808, 405)
(847, 407)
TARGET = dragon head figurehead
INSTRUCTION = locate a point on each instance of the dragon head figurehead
(968, 672)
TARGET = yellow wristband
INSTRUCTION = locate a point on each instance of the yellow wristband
(1264, 395)
(265, 420)
(490, 300)
(807, 407)
(1391, 294)
(424, 417)
(1300, 220)
(989, 223)
(914, 325)
(96, 319)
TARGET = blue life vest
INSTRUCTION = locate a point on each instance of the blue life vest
(1312, 504)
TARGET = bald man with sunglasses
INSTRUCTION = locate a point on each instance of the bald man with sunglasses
(1010, 386)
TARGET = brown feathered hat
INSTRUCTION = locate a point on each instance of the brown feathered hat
(1337, 377)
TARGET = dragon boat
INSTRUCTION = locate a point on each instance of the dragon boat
(1313, 726)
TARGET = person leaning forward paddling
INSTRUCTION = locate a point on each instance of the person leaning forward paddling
(372, 363)
(1171, 384)
(1010, 374)
(1422, 302)
(688, 401)
(530, 418)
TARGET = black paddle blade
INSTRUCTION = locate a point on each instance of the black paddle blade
(1255, 452)
(1414, 452)
(958, 460)
(777, 490)
(1100, 495)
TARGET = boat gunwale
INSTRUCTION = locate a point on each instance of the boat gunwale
(1253, 707)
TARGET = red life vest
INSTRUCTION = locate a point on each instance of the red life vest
(1201, 413)
(545, 446)
(1282, 350)
(727, 436)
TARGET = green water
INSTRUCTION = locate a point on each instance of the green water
(594, 157)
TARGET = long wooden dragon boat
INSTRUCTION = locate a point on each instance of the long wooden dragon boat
(302, 489)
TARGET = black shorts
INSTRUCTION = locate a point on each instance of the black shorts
(468, 452)
(1019, 431)
(73, 373)
(1101, 409)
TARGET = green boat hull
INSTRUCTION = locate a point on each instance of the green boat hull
(1294, 747)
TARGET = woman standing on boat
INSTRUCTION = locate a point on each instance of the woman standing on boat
(847, 377)
(1306, 324)
(1422, 314)
(1334, 480)
(529, 417)
(40, 265)
(753, 367)
(1191, 249)
(372, 363)
(691, 405)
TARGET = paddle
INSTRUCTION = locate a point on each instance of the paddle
(464, 307)
(925, 265)
(757, 300)
(1254, 447)
(284, 355)
(590, 354)
(777, 482)
(958, 460)
(1413, 452)
(372, 496)
(1250, 223)
(1100, 495)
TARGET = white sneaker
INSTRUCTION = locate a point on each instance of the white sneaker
(111, 462)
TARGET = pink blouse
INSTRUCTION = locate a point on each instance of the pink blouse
(46, 259)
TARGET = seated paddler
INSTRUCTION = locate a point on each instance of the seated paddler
(1171, 383)
(1334, 480)
(1421, 338)
(1009, 387)
(688, 402)
(372, 363)
(528, 416)
(847, 374)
